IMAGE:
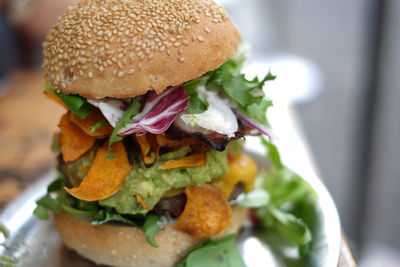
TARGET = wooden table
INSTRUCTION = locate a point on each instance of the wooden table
(27, 121)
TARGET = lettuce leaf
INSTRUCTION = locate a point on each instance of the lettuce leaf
(75, 103)
(288, 194)
(217, 253)
(151, 228)
(195, 105)
(247, 95)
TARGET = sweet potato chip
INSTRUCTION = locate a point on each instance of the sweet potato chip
(143, 143)
(206, 213)
(73, 141)
(149, 147)
(194, 160)
(93, 119)
(105, 176)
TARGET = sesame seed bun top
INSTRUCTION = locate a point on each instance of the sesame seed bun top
(124, 48)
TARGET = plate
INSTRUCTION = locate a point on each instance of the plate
(35, 243)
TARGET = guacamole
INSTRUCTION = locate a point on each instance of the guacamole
(151, 183)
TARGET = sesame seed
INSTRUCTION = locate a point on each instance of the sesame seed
(181, 59)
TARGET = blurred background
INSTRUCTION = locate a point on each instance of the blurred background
(339, 63)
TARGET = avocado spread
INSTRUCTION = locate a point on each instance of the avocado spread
(151, 184)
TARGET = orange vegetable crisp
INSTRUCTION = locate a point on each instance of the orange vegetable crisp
(73, 141)
(87, 123)
(206, 213)
(105, 176)
(194, 160)
(149, 147)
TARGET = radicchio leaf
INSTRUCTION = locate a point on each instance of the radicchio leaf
(156, 114)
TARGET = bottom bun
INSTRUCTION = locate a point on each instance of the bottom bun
(118, 245)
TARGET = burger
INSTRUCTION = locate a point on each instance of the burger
(150, 148)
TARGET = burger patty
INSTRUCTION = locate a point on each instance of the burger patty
(172, 206)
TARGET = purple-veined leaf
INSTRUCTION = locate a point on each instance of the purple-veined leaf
(155, 116)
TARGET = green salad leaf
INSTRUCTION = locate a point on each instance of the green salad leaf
(131, 111)
(4, 230)
(291, 227)
(195, 105)
(151, 228)
(217, 253)
(41, 212)
(272, 153)
(104, 216)
(248, 95)
(7, 261)
(254, 199)
(288, 193)
(75, 103)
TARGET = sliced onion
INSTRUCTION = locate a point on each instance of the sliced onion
(253, 124)
(112, 109)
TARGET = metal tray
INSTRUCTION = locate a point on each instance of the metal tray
(35, 243)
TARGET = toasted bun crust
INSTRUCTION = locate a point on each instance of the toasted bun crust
(127, 246)
(124, 48)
